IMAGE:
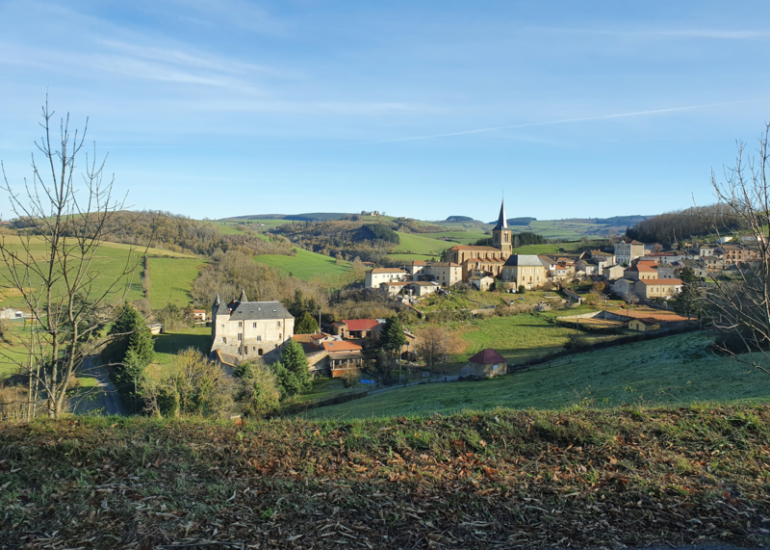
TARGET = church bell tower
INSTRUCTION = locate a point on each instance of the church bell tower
(501, 234)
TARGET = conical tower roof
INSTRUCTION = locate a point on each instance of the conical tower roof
(502, 221)
(243, 296)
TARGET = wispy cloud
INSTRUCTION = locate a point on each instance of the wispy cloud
(676, 34)
(569, 121)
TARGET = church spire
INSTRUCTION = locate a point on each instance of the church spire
(243, 296)
(502, 221)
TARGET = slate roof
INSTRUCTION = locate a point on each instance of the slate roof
(254, 311)
(487, 357)
(502, 222)
(530, 260)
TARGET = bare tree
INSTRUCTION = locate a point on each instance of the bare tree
(433, 345)
(50, 264)
(741, 304)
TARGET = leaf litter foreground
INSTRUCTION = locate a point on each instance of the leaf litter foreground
(500, 479)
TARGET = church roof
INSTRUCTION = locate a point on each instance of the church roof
(502, 222)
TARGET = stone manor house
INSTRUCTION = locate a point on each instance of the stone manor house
(243, 330)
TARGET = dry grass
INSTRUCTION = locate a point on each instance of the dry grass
(580, 478)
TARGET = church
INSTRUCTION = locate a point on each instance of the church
(485, 259)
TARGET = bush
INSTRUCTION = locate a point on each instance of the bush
(351, 377)
(522, 289)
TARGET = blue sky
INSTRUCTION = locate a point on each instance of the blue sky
(422, 109)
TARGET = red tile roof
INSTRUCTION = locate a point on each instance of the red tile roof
(360, 324)
(661, 281)
(487, 357)
(341, 346)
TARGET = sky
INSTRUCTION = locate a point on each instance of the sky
(421, 109)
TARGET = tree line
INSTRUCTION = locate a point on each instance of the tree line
(696, 221)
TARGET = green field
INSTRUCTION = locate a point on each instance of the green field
(413, 243)
(305, 265)
(107, 266)
(172, 280)
(468, 236)
(169, 344)
(673, 370)
(518, 337)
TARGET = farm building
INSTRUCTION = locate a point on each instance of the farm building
(355, 328)
(485, 364)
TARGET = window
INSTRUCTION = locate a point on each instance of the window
(240, 336)
(278, 324)
(255, 325)
(253, 348)
(240, 324)
(259, 338)
(224, 340)
(260, 352)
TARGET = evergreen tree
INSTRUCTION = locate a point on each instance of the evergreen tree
(392, 337)
(689, 301)
(293, 358)
(128, 321)
(306, 325)
(287, 382)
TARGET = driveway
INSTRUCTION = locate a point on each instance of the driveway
(108, 393)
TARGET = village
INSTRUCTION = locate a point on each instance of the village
(639, 282)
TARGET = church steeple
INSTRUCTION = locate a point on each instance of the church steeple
(501, 234)
(502, 221)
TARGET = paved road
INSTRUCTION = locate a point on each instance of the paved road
(108, 393)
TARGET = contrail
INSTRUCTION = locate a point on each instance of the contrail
(568, 120)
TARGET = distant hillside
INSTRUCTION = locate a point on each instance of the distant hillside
(459, 219)
(521, 221)
(317, 217)
(614, 221)
(257, 217)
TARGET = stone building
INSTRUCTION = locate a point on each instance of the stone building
(379, 275)
(525, 270)
(487, 259)
(625, 253)
(243, 330)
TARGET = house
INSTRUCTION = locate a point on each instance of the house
(587, 266)
(574, 297)
(714, 263)
(157, 328)
(641, 271)
(343, 356)
(10, 313)
(723, 240)
(698, 268)
(445, 273)
(379, 275)
(423, 288)
(415, 269)
(623, 287)
(392, 289)
(485, 364)
(657, 288)
(738, 254)
(605, 259)
(613, 273)
(355, 328)
(247, 330)
(199, 314)
(705, 251)
(407, 350)
(525, 270)
(628, 252)
(666, 271)
(645, 324)
(481, 281)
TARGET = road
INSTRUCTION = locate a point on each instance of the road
(109, 394)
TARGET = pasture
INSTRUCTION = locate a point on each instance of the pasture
(172, 279)
(669, 371)
(306, 265)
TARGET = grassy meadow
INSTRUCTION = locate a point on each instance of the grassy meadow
(172, 279)
(107, 266)
(674, 370)
(414, 243)
(305, 265)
